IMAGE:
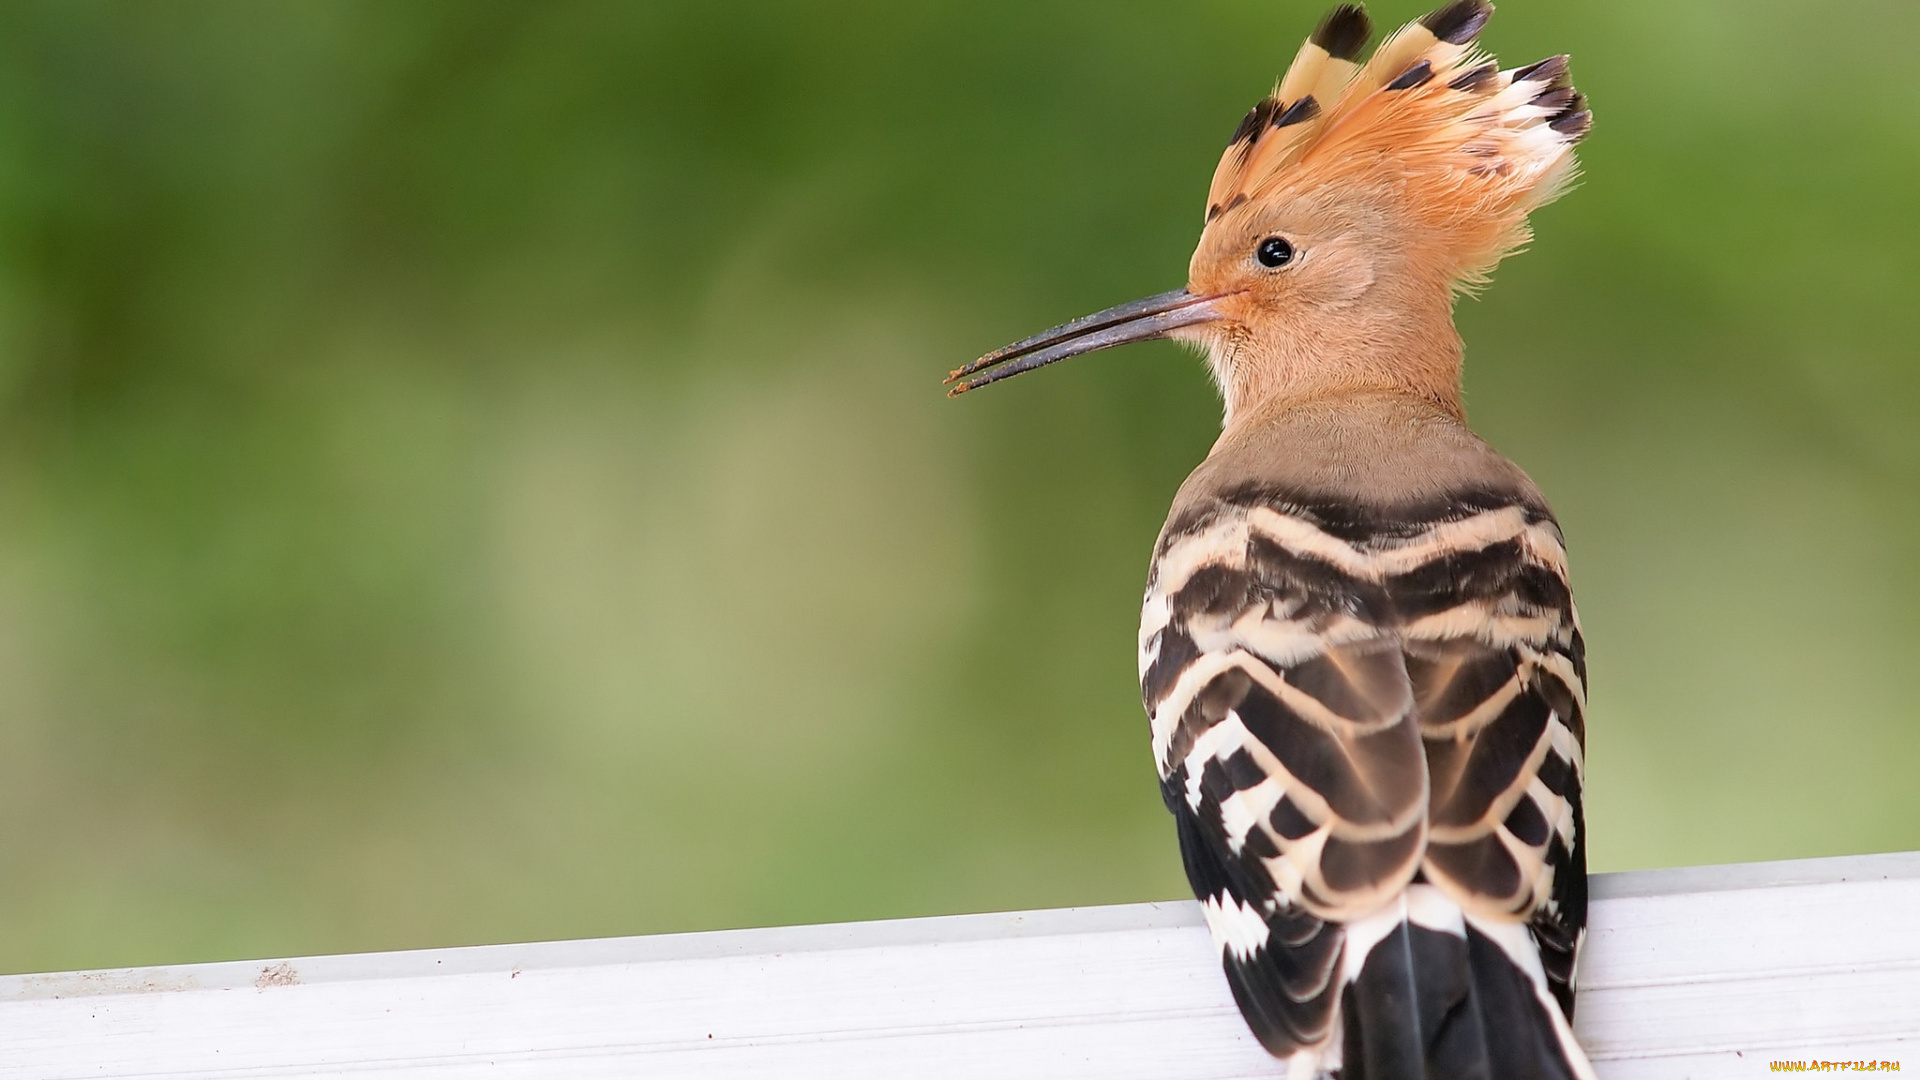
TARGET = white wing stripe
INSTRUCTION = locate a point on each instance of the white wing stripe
(1236, 928)
(1244, 811)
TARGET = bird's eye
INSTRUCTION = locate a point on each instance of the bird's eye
(1274, 251)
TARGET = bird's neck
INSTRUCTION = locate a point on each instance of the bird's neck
(1407, 348)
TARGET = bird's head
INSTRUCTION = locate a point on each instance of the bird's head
(1351, 207)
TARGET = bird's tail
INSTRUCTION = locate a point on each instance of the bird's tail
(1430, 992)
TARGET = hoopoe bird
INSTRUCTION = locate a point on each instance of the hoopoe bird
(1358, 648)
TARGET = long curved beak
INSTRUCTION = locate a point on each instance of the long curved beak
(1142, 320)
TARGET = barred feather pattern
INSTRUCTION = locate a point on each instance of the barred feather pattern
(1369, 725)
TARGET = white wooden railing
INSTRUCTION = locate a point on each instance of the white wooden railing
(1703, 972)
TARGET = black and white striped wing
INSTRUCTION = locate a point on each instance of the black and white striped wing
(1345, 703)
(1494, 649)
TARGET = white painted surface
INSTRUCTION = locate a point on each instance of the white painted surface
(1702, 972)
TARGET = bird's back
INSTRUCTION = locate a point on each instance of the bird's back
(1366, 680)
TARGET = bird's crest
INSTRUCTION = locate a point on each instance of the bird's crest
(1470, 149)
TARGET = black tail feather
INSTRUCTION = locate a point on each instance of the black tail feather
(1432, 1005)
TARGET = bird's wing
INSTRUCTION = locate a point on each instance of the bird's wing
(1284, 733)
(1291, 654)
(1498, 666)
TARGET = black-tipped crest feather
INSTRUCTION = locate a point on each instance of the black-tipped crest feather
(1417, 75)
(1299, 112)
(1250, 124)
(1458, 22)
(1574, 125)
(1344, 32)
(1552, 71)
(1554, 101)
(1475, 79)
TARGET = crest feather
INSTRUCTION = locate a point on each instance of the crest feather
(1475, 148)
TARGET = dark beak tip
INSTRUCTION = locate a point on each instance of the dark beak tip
(1146, 319)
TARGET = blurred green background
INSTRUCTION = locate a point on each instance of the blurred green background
(477, 471)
